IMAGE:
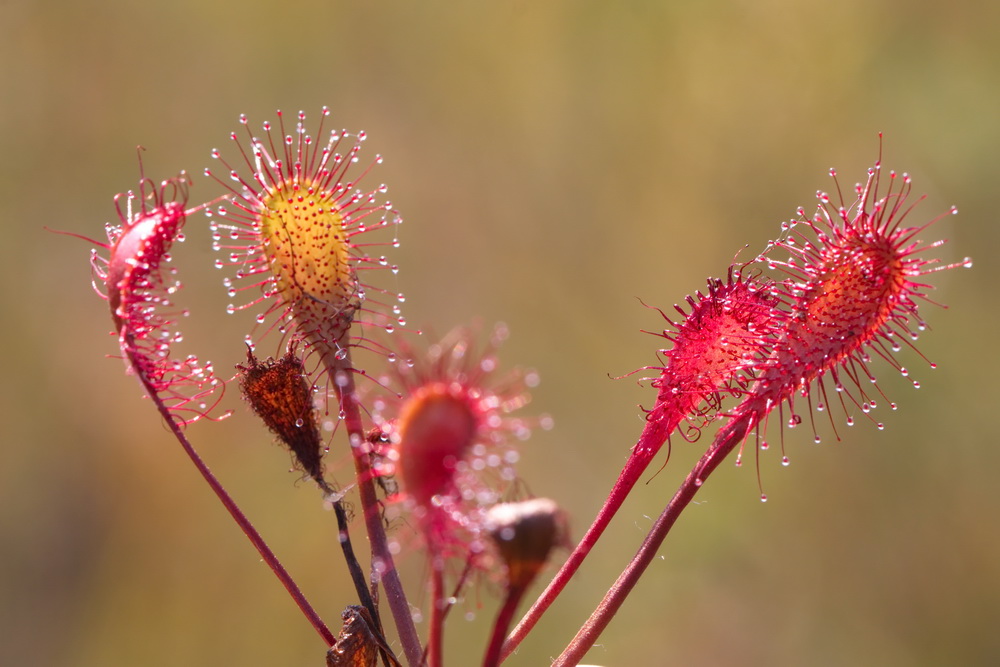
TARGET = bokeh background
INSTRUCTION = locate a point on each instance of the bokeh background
(554, 162)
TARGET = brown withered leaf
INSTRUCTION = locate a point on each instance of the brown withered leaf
(357, 645)
(278, 391)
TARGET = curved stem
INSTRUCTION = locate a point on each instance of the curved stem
(241, 520)
(653, 436)
(727, 439)
(504, 617)
(383, 565)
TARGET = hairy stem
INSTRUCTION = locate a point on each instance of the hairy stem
(728, 438)
(382, 562)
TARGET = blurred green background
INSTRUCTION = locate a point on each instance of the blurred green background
(554, 162)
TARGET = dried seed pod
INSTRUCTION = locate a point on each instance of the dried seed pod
(356, 644)
(525, 533)
(279, 393)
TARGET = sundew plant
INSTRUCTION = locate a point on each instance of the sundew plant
(304, 235)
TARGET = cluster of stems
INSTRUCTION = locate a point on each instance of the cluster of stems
(808, 315)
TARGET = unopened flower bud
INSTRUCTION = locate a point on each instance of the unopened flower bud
(525, 533)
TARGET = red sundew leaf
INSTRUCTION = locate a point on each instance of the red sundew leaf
(139, 286)
(717, 349)
(436, 428)
(852, 289)
(449, 434)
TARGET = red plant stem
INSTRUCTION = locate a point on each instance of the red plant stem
(493, 655)
(652, 438)
(242, 521)
(435, 639)
(447, 607)
(343, 380)
(727, 440)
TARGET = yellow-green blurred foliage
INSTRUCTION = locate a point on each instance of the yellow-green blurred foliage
(553, 162)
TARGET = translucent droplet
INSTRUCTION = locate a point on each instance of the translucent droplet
(299, 423)
(785, 461)
(763, 497)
